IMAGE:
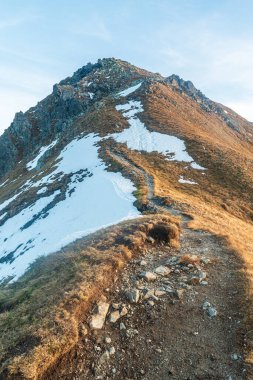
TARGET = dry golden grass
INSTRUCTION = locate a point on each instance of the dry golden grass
(41, 313)
(205, 204)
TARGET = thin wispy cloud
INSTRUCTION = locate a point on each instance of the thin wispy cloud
(209, 43)
(94, 27)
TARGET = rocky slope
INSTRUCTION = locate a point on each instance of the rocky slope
(110, 143)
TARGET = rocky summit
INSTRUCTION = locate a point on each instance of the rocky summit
(126, 232)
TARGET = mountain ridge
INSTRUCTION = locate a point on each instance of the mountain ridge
(69, 99)
(120, 163)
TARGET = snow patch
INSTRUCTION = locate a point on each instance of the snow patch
(32, 164)
(8, 201)
(138, 137)
(194, 165)
(182, 180)
(94, 199)
(91, 95)
(2, 216)
(42, 190)
(129, 90)
(4, 183)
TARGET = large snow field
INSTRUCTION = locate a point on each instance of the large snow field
(94, 198)
(138, 137)
(100, 199)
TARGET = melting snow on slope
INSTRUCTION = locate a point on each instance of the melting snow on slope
(129, 90)
(32, 164)
(8, 201)
(138, 137)
(182, 180)
(101, 199)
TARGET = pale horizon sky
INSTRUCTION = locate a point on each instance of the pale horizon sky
(208, 42)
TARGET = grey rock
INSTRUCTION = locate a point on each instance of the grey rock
(98, 320)
(210, 310)
(114, 316)
(149, 293)
(133, 295)
(112, 350)
(160, 292)
(162, 270)
(122, 326)
(148, 276)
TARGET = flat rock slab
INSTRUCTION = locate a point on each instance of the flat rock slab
(98, 320)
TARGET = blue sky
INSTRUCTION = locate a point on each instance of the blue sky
(207, 41)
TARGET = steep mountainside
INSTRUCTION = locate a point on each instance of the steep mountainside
(110, 143)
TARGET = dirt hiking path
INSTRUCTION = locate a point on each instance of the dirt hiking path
(186, 323)
(173, 314)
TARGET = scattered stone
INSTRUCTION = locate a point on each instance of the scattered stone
(166, 281)
(151, 303)
(112, 350)
(132, 332)
(108, 340)
(150, 240)
(204, 283)
(149, 293)
(116, 306)
(148, 276)
(97, 348)
(160, 292)
(124, 311)
(180, 293)
(162, 270)
(114, 370)
(235, 357)
(103, 358)
(206, 304)
(210, 310)
(177, 271)
(205, 260)
(133, 295)
(114, 316)
(84, 330)
(143, 263)
(122, 326)
(98, 320)
(202, 275)
(194, 280)
(168, 289)
(158, 350)
(142, 371)
(172, 261)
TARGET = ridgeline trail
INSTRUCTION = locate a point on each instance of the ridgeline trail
(194, 332)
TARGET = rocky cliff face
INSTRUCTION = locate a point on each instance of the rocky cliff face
(76, 95)
(70, 98)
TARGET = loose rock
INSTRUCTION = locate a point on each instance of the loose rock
(114, 316)
(133, 295)
(148, 276)
(98, 320)
(162, 270)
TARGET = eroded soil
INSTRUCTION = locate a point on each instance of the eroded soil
(172, 335)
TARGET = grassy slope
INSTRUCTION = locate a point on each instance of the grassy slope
(41, 314)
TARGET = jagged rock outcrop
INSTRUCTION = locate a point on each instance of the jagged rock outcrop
(74, 95)
(208, 105)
